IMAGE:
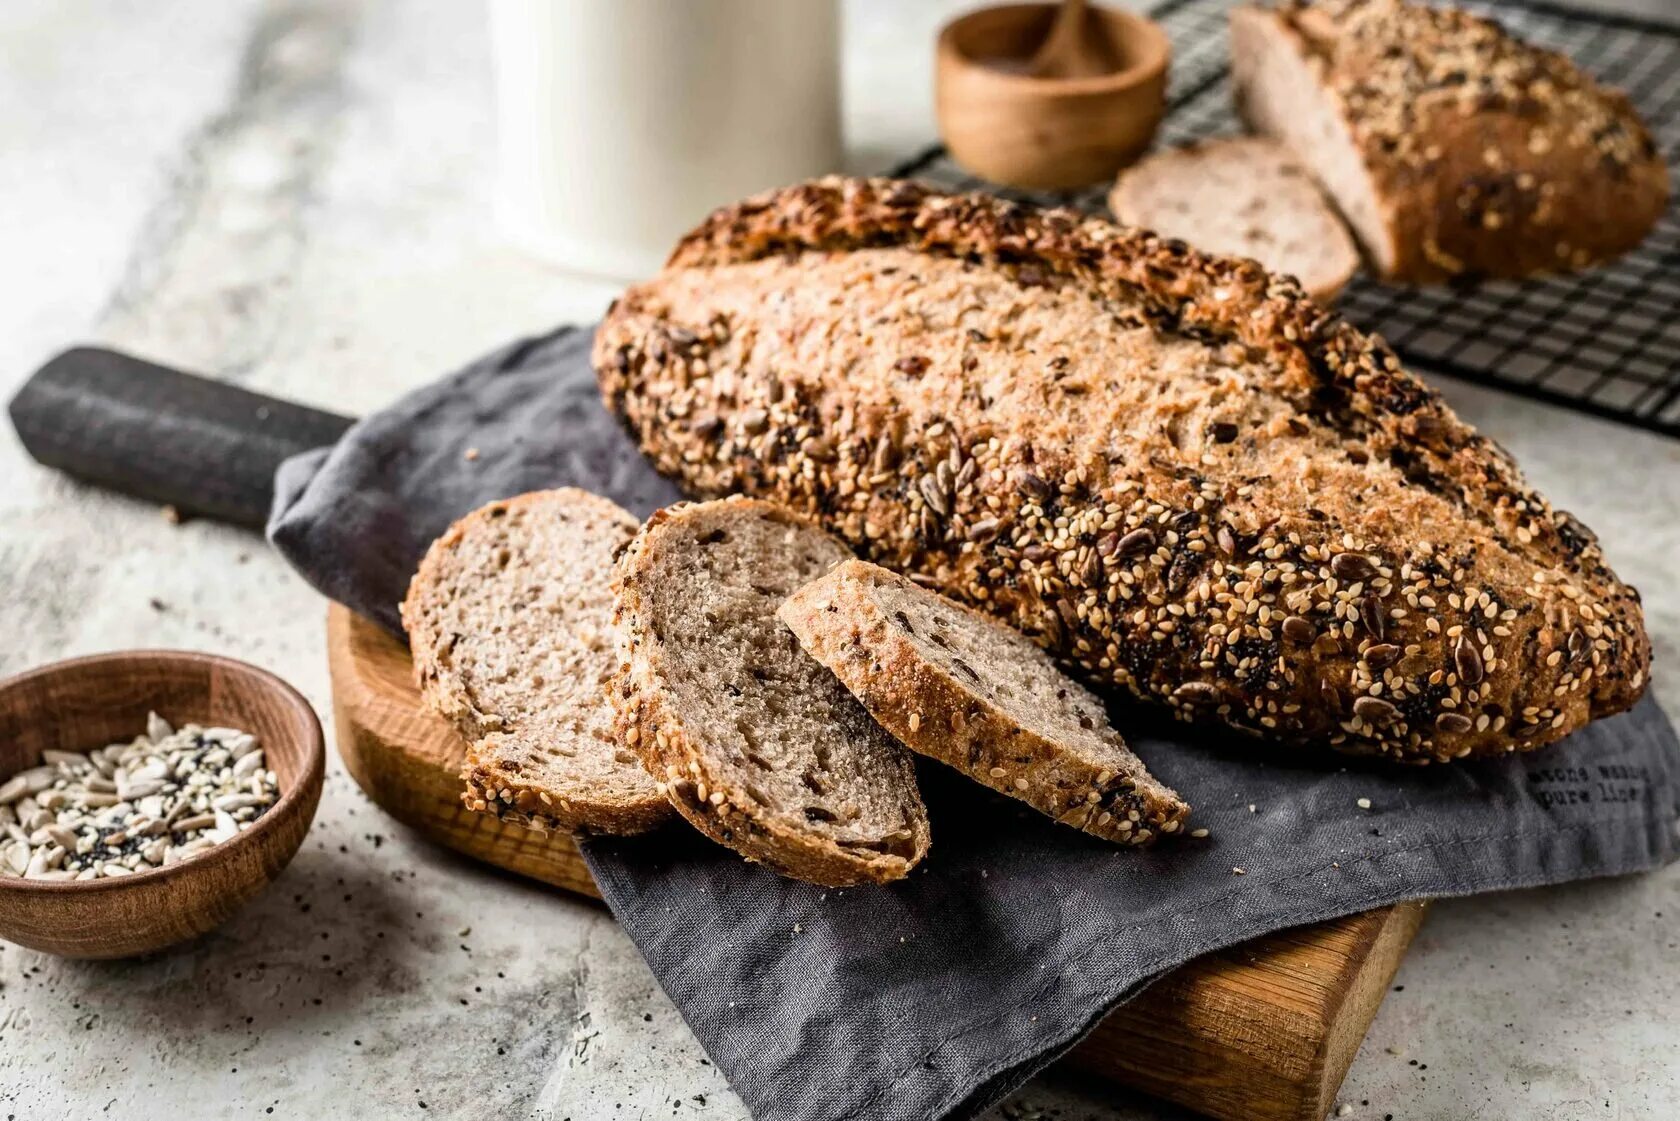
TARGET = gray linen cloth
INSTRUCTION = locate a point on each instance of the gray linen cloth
(933, 997)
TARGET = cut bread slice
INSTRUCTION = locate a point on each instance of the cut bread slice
(757, 744)
(1242, 196)
(510, 622)
(968, 691)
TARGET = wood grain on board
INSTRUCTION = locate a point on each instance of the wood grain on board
(1263, 1031)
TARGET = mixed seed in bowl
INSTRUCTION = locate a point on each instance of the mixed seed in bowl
(168, 795)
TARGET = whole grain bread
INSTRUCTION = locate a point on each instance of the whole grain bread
(1452, 148)
(510, 622)
(964, 689)
(1175, 471)
(1241, 196)
(755, 742)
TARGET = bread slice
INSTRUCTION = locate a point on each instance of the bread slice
(758, 745)
(510, 621)
(968, 691)
(1242, 196)
(1452, 148)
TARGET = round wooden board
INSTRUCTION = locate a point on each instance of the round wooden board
(1260, 1032)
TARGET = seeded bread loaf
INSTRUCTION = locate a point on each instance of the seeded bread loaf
(757, 744)
(964, 689)
(1241, 196)
(510, 622)
(1173, 470)
(1452, 148)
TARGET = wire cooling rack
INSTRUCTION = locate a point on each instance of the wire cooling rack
(1606, 341)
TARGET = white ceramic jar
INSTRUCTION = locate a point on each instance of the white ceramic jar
(623, 122)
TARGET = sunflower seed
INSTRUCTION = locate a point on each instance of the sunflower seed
(1136, 541)
(1352, 566)
(1468, 661)
(61, 835)
(1371, 614)
(1381, 655)
(63, 758)
(157, 728)
(1375, 710)
(1197, 692)
(1299, 630)
(934, 495)
(133, 792)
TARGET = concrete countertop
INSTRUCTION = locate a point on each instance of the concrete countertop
(295, 197)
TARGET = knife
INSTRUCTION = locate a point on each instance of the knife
(205, 447)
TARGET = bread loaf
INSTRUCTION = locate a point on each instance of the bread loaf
(1452, 148)
(1177, 472)
(1241, 196)
(757, 744)
(510, 622)
(960, 687)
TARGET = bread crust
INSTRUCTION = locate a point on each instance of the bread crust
(1500, 628)
(650, 724)
(840, 623)
(1490, 157)
(502, 792)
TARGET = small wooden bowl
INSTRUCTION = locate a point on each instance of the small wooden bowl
(89, 702)
(1038, 133)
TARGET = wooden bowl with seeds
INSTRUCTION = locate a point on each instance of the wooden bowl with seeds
(85, 704)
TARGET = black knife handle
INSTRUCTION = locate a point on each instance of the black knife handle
(205, 447)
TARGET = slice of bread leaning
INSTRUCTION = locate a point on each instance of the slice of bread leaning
(510, 622)
(967, 690)
(757, 744)
(1242, 196)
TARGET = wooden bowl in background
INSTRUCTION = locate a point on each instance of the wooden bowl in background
(89, 702)
(1043, 133)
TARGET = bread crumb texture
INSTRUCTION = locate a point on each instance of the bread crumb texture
(751, 739)
(509, 621)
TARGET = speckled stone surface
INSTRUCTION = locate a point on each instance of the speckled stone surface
(295, 197)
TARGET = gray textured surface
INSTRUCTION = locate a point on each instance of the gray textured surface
(293, 196)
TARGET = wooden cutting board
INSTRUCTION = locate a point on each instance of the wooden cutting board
(1259, 1032)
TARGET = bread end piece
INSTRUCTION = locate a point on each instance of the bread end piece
(960, 687)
